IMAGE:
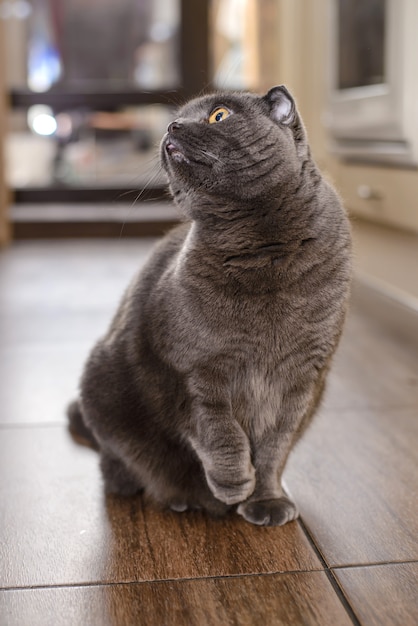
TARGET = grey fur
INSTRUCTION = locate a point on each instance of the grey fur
(217, 357)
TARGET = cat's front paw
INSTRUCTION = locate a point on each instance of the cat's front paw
(232, 492)
(274, 512)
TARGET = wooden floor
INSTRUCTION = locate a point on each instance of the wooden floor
(69, 556)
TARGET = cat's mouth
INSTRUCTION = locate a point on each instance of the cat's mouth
(174, 151)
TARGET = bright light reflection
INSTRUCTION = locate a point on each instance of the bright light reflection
(41, 120)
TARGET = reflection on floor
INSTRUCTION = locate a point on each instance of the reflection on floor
(71, 556)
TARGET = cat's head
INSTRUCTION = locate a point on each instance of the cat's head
(234, 145)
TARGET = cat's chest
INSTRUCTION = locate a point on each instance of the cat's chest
(256, 399)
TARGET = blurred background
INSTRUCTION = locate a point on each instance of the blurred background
(88, 87)
(91, 86)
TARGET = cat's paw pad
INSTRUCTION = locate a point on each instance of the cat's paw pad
(275, 512)
(232, 492)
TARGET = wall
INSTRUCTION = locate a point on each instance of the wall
(303, 53)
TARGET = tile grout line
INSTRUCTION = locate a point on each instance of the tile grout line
(373, 564)
(328, 570)
(339, 592)
(183, 579)
(330, 575)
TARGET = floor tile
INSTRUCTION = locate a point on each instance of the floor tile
(371, 368)
(353, 477)
(64, 290)
(58, 328)
(384, 595)
(58, 528)
(298, 599)
(38, 381)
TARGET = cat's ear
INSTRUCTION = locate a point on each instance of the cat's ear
(281, 104)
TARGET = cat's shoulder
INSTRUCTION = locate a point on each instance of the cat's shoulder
(167, 247)
(173, 240)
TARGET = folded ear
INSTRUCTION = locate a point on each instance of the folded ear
(281, 104)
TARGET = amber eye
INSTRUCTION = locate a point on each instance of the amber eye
(218, 115)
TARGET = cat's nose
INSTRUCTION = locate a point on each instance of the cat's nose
(174, 126)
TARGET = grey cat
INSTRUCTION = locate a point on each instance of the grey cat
(217, 357)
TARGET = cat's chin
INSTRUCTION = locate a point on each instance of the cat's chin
(175, 154)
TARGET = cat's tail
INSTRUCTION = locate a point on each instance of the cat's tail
(77, 426)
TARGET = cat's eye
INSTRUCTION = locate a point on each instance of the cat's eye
(218, 115)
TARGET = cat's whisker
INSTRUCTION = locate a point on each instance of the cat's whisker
(214, 157)
(151, 181)
(147, 170)
(210, 155)
(147, 185)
